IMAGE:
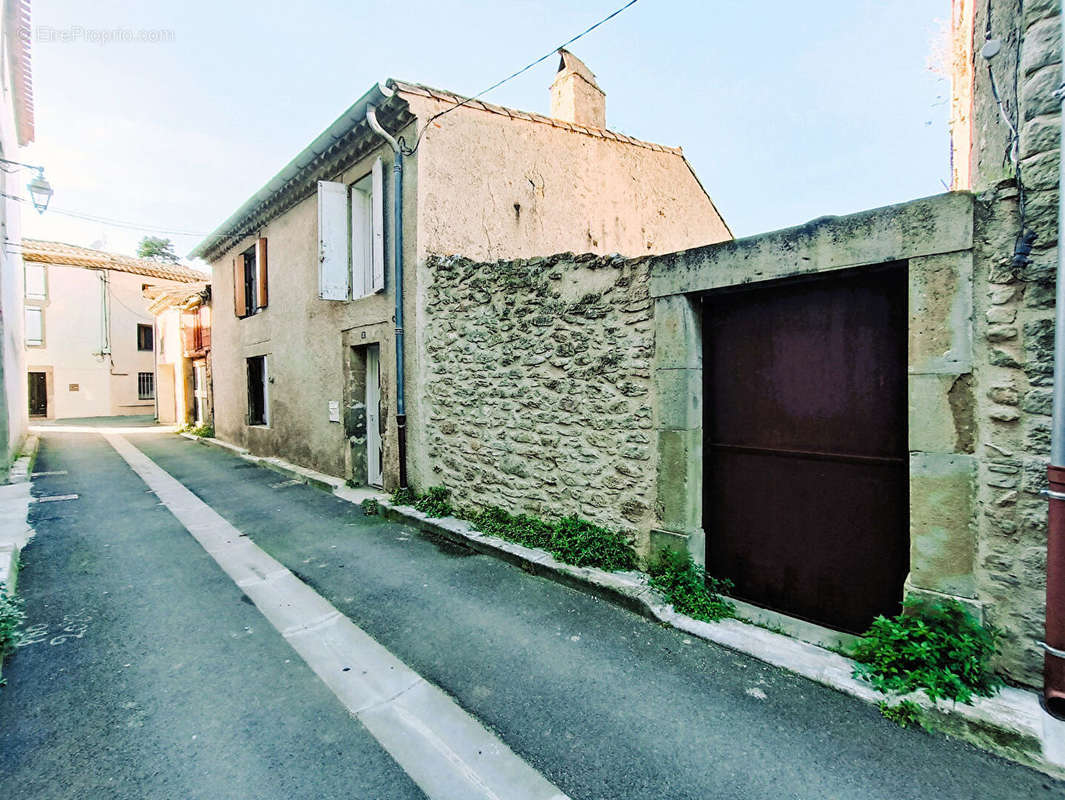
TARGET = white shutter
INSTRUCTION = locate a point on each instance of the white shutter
(378, 196)
(332, 241)
(361, 239)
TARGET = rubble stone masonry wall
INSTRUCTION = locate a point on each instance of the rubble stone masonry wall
(1014, 318)
(538, 385)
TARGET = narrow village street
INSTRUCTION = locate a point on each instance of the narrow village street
(149, 673)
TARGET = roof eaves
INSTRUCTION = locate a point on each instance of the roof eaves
(307, 160)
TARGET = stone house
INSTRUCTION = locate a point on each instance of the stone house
(835, 415)
(90, 343)
(304, 273)
(183, 354)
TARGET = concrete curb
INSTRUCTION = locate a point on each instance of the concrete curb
(15, 530)
(1011, 724)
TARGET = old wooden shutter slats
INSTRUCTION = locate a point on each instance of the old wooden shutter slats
(260, 264)
(378, 281)
(333, 260)
(239, 306)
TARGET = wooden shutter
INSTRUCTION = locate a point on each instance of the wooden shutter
(260, 265)
(239, 307)
(332, 241)
(204, 321)
(361, 240)
(187, 324)
(377, 282)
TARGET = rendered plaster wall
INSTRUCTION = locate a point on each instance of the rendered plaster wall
(306, 339)
(128, 308)
(1014, 317)
(14, 416)
(538, 395)
(85, 381)
(495, 187)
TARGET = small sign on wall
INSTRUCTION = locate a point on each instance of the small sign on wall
(73, 387)
(334, 411)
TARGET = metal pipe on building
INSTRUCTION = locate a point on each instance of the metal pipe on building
(1054, 644)
(397, 242)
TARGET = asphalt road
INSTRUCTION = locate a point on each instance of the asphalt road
(149, 677)
(603, 703)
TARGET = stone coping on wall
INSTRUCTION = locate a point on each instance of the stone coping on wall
(942, 223)
(1011, 724)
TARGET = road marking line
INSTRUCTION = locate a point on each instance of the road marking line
(444, 750)
(53, 498)
(49, 472)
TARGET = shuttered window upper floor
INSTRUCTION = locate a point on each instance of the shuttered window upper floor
(351, 243)
(250, 280)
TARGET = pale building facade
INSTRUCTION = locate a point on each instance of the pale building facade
(183, 355)
(90, 339)
(304, 350)
(16, 131)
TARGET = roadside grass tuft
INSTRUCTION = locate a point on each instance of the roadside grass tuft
(571, 539)
(689, 588)
(404, 496)
(11, 618)
(937, 647)
(434, 502)
(904, 714)
(205, 431)
(370, 507)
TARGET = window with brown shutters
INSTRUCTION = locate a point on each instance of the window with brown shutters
(250, 280)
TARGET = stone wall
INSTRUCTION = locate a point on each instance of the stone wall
(538, 386)
(1014, 316)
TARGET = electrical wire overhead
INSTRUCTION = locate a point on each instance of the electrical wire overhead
(411, 151)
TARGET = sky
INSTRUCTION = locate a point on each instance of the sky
(161, 118)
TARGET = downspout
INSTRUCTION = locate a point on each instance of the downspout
(397, 242)
(1054, 659)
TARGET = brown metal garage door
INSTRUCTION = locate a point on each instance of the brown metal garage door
(806, 479)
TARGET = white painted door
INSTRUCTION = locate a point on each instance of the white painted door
(373, 415)
(199, 392)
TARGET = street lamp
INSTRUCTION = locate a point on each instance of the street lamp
(40, 189)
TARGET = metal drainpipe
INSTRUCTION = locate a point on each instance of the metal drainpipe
(1054, 659)
(397, 241)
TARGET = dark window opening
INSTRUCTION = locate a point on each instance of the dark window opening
(145, 386)
(144, 338)
(251, 291)
(257, 391)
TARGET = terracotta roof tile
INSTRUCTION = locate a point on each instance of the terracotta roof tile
(74, 256)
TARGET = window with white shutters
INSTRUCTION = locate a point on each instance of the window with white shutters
(34, 326)
(351, 255)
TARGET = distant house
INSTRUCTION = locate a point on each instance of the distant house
(183, 348)
(90, 339)
(304, 273)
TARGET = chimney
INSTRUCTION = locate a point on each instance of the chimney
(575, 96)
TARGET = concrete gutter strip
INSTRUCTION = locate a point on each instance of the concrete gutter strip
(445, 751)
(1011, 724)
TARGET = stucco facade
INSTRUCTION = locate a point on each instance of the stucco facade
(485, 181)
(183, 355)
(16, 131)
(91, 352)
